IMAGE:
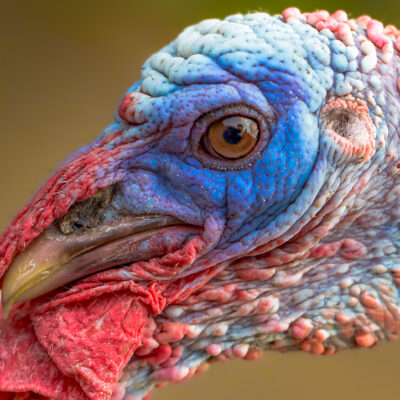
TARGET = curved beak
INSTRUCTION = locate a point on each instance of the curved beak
(54, 259)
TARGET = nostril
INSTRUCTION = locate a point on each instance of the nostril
(87, 214)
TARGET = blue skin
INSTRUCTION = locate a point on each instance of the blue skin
(286, 71)
(247, 203)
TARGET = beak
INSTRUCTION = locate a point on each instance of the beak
(54, 259)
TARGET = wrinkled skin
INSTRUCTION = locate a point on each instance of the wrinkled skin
(294, 247)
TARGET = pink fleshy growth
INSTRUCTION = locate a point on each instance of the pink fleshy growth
(170, 332)
(221, 294)
(148, 342)
(255, 274)
(266, 305)
(343, 318)
(362, 328)
(287, 278)
(325, 250)
(391, 31)
(317, 16)
(369, 300)
(177, 373)
(175, 356)
(301, 328)
(349, 249)
(340, 16)
(291, 12)
(375, 33)
(263, 305)
(228, 354)
(159, 355)
(330, 24)
(240, 350)
(246, 295)
(363, 21)
(273, 326)
(339, 24)
(315, 343)
(353, 249)
(254, 354)
(214, 349)
(387, 315)
(171, 374)
(344, 34)
(321, 335)
(365, 340)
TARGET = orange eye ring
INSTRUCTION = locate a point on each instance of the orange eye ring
(232, 137)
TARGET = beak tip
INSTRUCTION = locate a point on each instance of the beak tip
(6, 306)
(9, 298)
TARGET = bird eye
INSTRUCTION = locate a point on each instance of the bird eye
(232, 138)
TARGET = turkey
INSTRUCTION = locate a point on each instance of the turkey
(244, 199)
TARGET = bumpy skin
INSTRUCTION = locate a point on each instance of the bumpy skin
(298, 248)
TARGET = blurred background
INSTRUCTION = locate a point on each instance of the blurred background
(64, 65)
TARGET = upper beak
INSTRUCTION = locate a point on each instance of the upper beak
(54, 259)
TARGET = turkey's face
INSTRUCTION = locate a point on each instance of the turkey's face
(248, 178)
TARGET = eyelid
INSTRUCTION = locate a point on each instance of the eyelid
(201, 125)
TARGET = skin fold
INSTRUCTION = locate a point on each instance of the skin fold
(147, 255)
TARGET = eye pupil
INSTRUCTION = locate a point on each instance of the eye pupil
(232, 135)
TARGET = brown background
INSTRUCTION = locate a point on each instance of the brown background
(63, 66)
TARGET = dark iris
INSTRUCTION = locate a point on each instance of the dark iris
(232, 135)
